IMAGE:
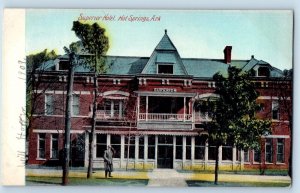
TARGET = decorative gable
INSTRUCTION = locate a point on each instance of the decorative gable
(165, 59)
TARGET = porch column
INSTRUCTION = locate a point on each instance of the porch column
(138, 107)
(242, 159)
(220, 154)
(108, 139)
(145, 150)
(184, 107)
(174, 151)
(120, 109)
(112, 108)
(95, 147)
(86, 150)
(206, 155)
(122, 149)
(183, 151)
(193, 150)
(136, 156)
(146, 108)
(233, 156)
(156, 149)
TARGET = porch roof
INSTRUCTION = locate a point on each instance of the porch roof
(166, 94)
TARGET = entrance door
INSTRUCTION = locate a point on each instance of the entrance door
(165, 156)
(165, 152)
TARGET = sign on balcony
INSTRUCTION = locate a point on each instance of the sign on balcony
(164, 90)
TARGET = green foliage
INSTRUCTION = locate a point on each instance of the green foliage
(233, 113)
(33, 61)
(93, 40)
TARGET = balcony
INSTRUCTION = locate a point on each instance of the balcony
(108, 115)
(161, 121)
(202, 117)
(164, 117)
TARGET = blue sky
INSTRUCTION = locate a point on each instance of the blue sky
(268, 35)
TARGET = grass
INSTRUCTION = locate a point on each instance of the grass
(30, 180)
(268, 172)
(198, 183)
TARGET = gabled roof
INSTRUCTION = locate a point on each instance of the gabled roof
(165, 53)
(165, 43)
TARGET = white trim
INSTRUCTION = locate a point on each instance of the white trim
(62, 92)
(206, 95)
(55, 131)
(276, 136)
(272, 98)
(85, 92)
(115, 92)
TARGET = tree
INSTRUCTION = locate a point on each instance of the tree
(95, 41)
(233, 114)
(35, 67)
(76, 58)
(73, 61)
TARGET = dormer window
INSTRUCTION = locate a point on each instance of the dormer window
(165, 69)
(263, 71)
(63, 65)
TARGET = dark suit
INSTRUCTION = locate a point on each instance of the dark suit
(108, 161)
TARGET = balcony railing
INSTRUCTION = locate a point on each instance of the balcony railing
(164, 117)
(103, 115)
(202, 117)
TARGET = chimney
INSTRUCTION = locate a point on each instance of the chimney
(227, 54)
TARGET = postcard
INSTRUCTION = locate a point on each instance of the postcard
(151, 98)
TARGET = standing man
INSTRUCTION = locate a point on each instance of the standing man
(108, 161)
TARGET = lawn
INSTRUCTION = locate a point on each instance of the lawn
(196, 183)
(83, 181)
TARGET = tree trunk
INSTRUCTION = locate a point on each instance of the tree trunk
(68, 112)
(217, 165)
(91, 140)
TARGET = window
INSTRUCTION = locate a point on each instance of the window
(116, 145)
(111, 109)
(49, 105)
(227, 153)
(78, 145)
(131, 146)
(151, 147)
(63, 65)
(75, 105)
(257, 156)
(54, 146)
(238, 155)
(268, 150)
(263, 71)
(141, 147)
(41, 146)
(101, 143)
(165, 69)
(275, 110)
(212, 150)
(178, 147)
(280, 150)
(199, 147)
(188, 152)
(246, 156)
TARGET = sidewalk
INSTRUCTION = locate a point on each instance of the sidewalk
(166, 177)
(163, 177)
